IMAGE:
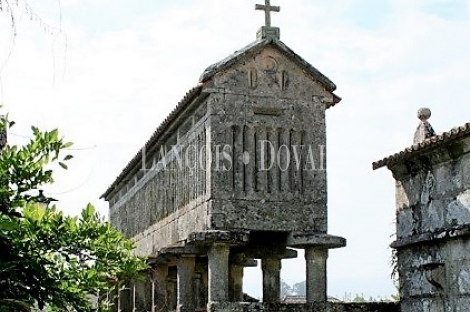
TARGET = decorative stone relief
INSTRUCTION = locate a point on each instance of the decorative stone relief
(283, 79)
(252, 78)
(269, 65)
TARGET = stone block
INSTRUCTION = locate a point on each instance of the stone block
(458, 210)
(433, 216)
(404, 223)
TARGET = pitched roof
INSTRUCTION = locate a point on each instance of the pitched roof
(281, 47)
(187, 99)
(424, 146)
(206, 76)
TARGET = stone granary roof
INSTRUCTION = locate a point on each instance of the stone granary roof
(197, 91)
(424, 146)
(284, 49)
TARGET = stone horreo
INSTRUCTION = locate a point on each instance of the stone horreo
(235, 175)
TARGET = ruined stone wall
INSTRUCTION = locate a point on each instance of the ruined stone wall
(433, 222)
(272, 118)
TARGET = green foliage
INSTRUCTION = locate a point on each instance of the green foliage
(48, 258)
(359, 298)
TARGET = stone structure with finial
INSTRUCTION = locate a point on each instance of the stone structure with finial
(433, 218)
(424, 130)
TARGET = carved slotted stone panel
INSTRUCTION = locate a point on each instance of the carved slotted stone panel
(275, 178)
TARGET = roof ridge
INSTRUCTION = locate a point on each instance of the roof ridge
(186, 100)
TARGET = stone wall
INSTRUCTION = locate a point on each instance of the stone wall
(167, 198)
(314, 307)
(434, 198)
(272, 117)
(251, 155)
(433, 224)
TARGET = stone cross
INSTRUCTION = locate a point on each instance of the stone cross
(267, 8)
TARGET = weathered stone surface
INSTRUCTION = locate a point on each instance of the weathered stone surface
(218, 267)
(303, 240)
(213, 236)
(315, 307)
(424, 130)
(316, 282)
(433, 220)
(236, 173)
(256, 151)
(185, 285)
(271, 268)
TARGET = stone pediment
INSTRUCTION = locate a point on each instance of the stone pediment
(277, 53)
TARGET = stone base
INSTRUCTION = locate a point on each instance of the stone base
(214, 236)
(268, 32)
(314, 307)
(326, 241)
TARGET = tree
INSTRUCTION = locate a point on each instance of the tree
(286, 290)
(299, 289)
(48, 258)
(359, 298)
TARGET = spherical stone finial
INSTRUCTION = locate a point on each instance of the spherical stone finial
(424, 113)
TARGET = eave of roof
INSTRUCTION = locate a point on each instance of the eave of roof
(426, 145)
(187, 99)
(284, 49)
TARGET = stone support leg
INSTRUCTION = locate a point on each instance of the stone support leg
(271, 279)
(185, 279)
(236, 283)
(159, 287)
(171, 293)
(316, 284)
(218, 257)
(134, 296)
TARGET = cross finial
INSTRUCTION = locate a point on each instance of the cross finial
(267, 8)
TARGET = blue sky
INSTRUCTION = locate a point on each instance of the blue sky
(119, 67)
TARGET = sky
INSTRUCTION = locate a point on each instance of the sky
(106, 73)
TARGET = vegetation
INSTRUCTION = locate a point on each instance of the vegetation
(49, 259)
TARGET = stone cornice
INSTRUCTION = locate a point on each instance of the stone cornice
(426, 147)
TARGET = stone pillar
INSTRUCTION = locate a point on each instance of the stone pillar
(218, 272)
(205, 284)
(171, 293)
(153, 297)
(271, 279)
(134, 296)
(159, 287)
(198, 298)
(117, 305)
(185, 279)
(236, 283)
(315, 259)
(143, 293)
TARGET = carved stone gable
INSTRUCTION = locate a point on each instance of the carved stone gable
(269, 72)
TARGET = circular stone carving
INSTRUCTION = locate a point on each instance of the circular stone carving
(269, 64)
(424, 113)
